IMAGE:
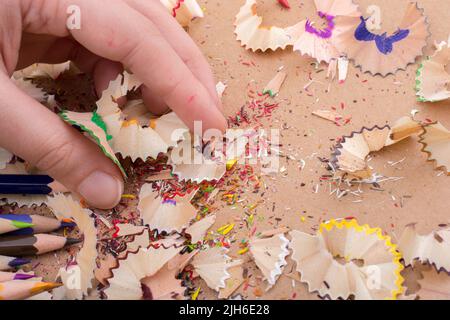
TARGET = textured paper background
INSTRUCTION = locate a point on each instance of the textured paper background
(368, 100)
(377, 101)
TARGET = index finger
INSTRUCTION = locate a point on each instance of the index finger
(179, 40)
(114, 30)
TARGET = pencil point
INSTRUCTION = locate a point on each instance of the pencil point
(44, 286)
(66, 223)
(23, 276)
(72, 241)
(18, 262)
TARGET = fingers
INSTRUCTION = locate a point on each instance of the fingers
(58, 50)
(115, 31)
(180, 41)
(37, 135)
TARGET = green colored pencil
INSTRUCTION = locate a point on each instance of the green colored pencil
(7, 225)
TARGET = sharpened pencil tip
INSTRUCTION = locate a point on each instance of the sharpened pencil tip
(23, 276)
(68, 224)
(72, 241)
(44, 286)
(18, 262)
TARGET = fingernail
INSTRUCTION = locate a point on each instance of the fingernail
(101, 190)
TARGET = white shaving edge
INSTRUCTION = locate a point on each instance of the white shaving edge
(230, 263)
(276, 272)
(203, 258)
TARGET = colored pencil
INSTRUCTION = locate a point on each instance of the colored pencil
(19, 289)
(39, 224)
(37, 244)
(25, 184)
(8, 225)
(8, 276)
(7, 263)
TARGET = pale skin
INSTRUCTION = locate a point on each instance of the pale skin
(139, 35)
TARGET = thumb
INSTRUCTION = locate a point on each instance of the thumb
(37, 135)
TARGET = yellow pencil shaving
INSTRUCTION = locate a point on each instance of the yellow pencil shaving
(128, 196)
(242, 251)
(129, 123)
(44, 286)
(224, 230)
(152, 124)
(392, 248)
(230, 164)
(195, 294)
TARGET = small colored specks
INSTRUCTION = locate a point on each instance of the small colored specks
(250, 219)
(170, 201)
(242, 251)
(302, 219)
(284, 4)
(224, 230)
(231, 164)
(258, 292)
(128, 196)
(129, 123)
(195, 294)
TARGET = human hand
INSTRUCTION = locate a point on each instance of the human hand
(137, 34)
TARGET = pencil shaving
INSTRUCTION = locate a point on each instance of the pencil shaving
(183, 10)
(127, 229)
(127, 136)
(318, 41)
(251, 33)
(232, 283)
(164, 285)
(31, 89)
(190, 164)
(381, 53)
(92, 124)
(270, 256)
(212, 265)
(141, 240)
(375, 276)
(432, 78)
(434, 285)
(432, 248)
(274, 85)
(199, 228)
(164, 215)
(435, 140)
(42, 70)
(65, 207)
(125, 283)
(350, 155)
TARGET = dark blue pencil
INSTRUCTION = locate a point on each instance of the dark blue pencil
(25, 184)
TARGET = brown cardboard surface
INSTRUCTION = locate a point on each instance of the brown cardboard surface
(422, 196)
(368, 101)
